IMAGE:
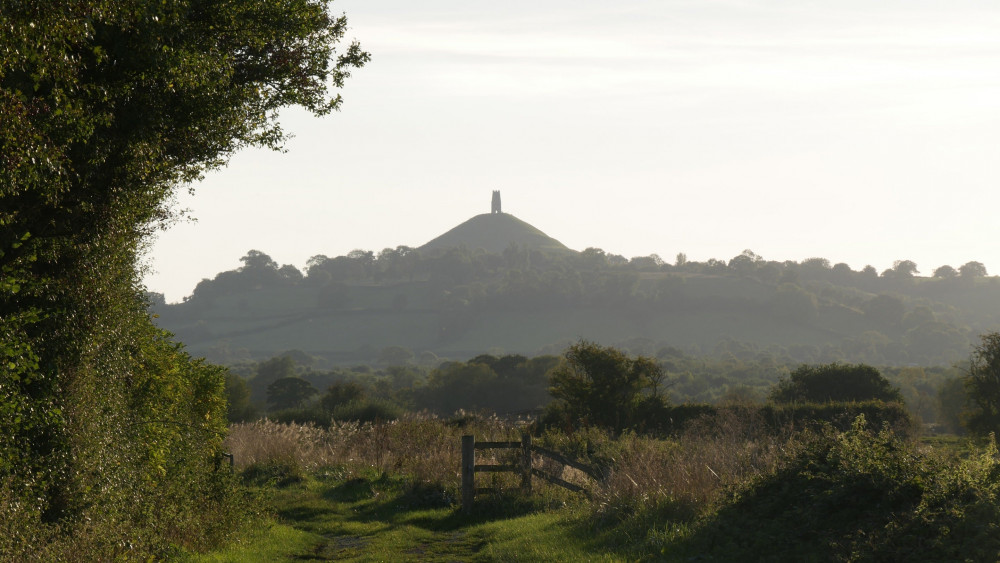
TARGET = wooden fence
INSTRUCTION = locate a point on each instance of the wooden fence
(524, 467)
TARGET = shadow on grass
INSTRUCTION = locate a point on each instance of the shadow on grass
(351, 491)
(278, 475)
(305, 513)
(360, 509)
(394, 500)
(483, 512)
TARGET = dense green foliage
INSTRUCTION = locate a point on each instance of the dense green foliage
(289, 392)
(516, 385)
(835, 382)
(983, 385)
(859, 496)
(604, 387)
(111, 432)
(589, 385)
(774, 418)
(506, 384)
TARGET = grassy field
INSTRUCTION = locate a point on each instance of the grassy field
(727, 489)
(330, 516)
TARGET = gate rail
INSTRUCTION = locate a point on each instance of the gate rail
(524, 467)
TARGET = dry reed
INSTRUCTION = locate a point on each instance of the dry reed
(693, 470)
(420, 446)
(690, 471)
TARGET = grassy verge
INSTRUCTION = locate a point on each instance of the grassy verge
(330, 515)
(721, 492)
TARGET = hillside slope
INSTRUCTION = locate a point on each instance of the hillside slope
(497, 284)
(493, 233)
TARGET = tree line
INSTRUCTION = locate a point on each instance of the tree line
(895, 317)
(558, 276)
(603, 385)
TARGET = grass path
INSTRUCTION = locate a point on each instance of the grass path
(326, 517)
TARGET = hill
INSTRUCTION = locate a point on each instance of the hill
(495, 284)
(494, 233)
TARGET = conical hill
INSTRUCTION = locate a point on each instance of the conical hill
(494, 232)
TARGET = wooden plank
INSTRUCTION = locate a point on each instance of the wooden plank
(497, 445)
(557, 481)
(492, 468)
(590, 471)
(468, 472)
(526, 463)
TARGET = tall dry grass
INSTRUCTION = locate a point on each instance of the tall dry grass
(423, 447)
(695, 469)
(689, 472)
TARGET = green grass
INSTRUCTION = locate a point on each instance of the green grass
(330, 516)
(838, 496)
(275, 542)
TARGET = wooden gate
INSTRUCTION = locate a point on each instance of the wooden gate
(524, 467)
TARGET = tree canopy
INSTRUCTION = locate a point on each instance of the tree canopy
(603, 386)
(107, 108)
(982, 385)
(835, 382)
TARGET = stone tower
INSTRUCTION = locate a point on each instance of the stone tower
(495, 206)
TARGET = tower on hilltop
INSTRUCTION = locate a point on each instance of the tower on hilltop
(495, 206)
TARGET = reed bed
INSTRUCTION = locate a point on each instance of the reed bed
(422, 447)
(693, 471)
(688, 472)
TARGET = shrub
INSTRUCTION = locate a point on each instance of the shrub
(600, 386)
(859, 495)
(302, 415)
(110, 432)
(777, 418)
(341, 393)
(835, 382)
(368, 410)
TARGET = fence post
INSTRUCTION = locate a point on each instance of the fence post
(526, 463)
(468, 471)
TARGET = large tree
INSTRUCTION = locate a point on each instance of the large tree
(603, 386)
(289, 392)
(982, 384)
(835, 382)
(107, 108)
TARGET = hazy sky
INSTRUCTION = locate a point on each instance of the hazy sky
(862, 132)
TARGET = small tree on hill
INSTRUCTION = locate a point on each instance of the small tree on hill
(605, 387)
(972, 270)
(837, 383)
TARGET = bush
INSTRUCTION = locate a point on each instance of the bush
(368, 410)
(858, 495)
(604, 387)
(146, 435)
(341, 393)
(841, 416)
(110, 432)
(835, 382)
(778, 418)
(302, 415)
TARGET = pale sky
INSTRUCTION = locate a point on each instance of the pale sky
(861, 132)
